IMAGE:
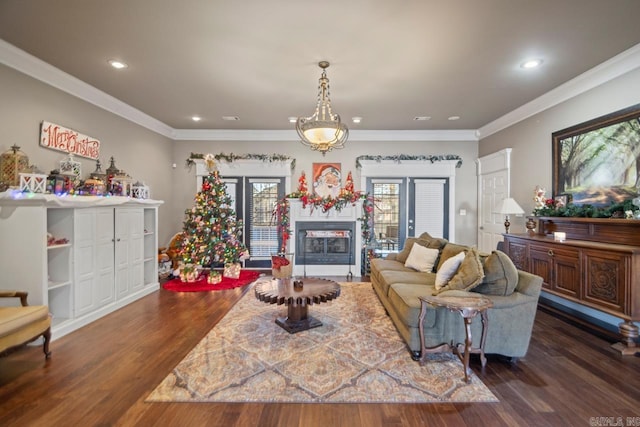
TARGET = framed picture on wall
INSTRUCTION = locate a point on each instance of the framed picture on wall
(598, 162)
(327, 179)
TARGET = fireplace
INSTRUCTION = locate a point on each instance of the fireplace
(325, 243)
(321, 243)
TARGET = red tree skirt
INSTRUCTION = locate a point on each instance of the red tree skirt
(246, 277)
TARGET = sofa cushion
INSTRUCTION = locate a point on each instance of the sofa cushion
(450, 250)
(388, 277)
(382, 264)
(405, 299)
(468, 276)
(500, 275)
(422, 258)
(447, 270)
(413, 277)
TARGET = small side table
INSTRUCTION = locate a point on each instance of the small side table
(468, 307)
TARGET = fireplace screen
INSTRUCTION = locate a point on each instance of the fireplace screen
(318, 245)
(330, 242)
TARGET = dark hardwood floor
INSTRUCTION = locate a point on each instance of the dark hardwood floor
(101, 374)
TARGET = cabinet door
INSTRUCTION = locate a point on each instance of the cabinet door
(517, 251)
(105, 288)
(541, 264)
(93, 259)
(605, 277)
(85, 299)
(129, 250)
(566, 272)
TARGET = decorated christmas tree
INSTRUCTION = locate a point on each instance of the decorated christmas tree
(211, 231)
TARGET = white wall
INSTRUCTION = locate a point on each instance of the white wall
(143, 154)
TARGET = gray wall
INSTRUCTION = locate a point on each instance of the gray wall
(531, 138)
(466, 189)
(531, 155)
(143, 154)
(148, 156)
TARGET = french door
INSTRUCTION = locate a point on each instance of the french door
(261, 229)
(406, 207)
(389, 215)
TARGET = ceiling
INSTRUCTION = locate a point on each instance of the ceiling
(257, 59)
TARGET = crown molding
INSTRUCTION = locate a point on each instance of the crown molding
(28, 64)
(620, 64)
(291, 135)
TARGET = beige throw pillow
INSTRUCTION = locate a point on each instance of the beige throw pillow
(448, 269)
(468, 276)
(421, 258)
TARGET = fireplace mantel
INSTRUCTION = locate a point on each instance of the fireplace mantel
(349, 213)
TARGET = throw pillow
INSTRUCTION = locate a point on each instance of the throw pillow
(468, 276)
(408, 245)
(449, 250)
(501, 275)
(421, 258)
(424, 240)
(447, 270)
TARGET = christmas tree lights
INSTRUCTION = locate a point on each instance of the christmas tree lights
(212, 233)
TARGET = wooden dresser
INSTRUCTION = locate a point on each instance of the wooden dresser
(598, 265)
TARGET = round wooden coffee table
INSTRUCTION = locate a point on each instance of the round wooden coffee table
(297, 295)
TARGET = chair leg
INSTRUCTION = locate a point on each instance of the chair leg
(47, 338)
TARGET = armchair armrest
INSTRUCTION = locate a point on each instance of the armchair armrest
(15, 294)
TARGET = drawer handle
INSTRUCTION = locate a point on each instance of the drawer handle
(550, 253)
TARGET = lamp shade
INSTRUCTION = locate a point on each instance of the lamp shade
(508, 206)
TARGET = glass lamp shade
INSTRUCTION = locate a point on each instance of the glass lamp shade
(322, 135)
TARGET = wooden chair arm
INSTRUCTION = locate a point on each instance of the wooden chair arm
(15, 294)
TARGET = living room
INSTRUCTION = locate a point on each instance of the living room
(156, 153)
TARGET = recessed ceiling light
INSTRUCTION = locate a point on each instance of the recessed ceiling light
(293, 119)
(231, 118)
(356, 119)
(196, 118)
(452, 118)
(421, 118)
(531, 63)
(117, 64)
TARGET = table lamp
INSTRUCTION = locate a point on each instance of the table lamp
(508, 207)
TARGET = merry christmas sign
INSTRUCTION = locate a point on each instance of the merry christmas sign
(62, 139)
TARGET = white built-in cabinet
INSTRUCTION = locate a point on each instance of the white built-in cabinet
(109, 261)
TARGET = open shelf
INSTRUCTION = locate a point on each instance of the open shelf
(55, 285)
(60, 246)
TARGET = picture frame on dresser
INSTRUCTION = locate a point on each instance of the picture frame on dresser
(587, 159)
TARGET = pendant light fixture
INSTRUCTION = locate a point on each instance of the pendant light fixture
(323, 131)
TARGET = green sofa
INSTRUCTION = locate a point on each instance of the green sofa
(514, 294)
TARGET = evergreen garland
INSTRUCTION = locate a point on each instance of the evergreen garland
(229, 158)
(399, 157)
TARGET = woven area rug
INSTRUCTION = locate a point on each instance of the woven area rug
(356, 356)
